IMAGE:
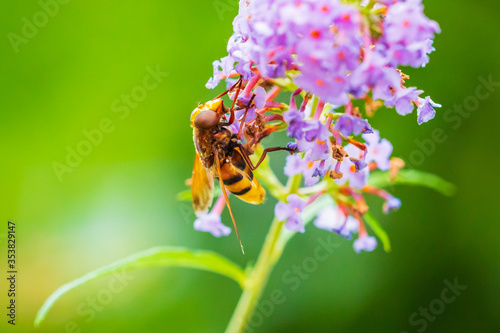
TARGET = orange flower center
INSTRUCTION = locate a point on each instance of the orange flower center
(315, 34)
(346, 17)
(321, 142)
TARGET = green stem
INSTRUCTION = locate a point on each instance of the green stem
(268, 257)
(275, 242)
(257, 280)
(293, 184)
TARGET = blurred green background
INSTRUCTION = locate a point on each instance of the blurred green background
(73, 72)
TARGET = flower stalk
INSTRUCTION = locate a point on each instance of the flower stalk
(269, 255)
(259, 275)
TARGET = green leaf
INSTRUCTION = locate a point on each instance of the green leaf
(154, 257)
(184, 196)
(413, 177)
(377, 229)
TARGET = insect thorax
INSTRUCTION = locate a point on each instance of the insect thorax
(218, 140)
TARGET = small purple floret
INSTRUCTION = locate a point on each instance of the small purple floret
(211, 223)
(290, 212)
(378, 151)
(365, 243)
(425, 110)
(347, 124)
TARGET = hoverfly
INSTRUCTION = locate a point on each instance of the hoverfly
(221, 155)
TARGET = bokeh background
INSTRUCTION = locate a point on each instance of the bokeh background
(121, 198)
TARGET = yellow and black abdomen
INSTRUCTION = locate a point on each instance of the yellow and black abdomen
(238, 179)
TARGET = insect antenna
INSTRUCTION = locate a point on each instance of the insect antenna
(227, 201)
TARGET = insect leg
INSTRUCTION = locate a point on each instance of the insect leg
(242, 121)
(238, 83)
(231, 118)
(264, 153)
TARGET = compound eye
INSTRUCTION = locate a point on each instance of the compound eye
(206, 119)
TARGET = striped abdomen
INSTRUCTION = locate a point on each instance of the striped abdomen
(238, 179)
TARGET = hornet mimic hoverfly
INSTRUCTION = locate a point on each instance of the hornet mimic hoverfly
(221, 155)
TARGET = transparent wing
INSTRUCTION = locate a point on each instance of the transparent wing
(202, 186)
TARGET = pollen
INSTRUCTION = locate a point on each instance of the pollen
(325, 9)
(338, 153)
(310, 164)
(352, 168)
(336, 175)
(320, 82)
(297, 210)
(406, 23)
(341, 55)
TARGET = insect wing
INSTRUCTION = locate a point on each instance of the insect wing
(202, 186)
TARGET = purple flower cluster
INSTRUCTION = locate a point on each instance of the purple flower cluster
(333, 54)
(408, 34)
(332, 48)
